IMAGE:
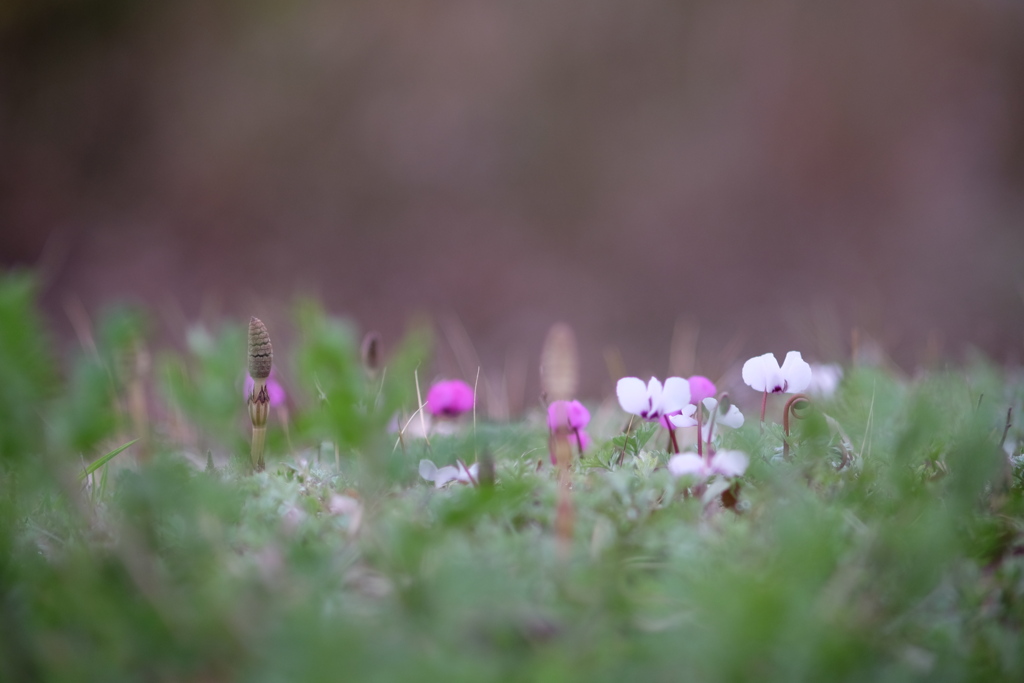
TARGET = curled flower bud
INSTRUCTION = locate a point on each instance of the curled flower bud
(261, 352)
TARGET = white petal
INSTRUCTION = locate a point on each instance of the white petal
(428, 470)
(654, 396)
(687, 464)
(468, 476)
(710, 403)
(676, 395)
(796, 372)
(758, 370)
(681, 421)
(825, 379)
(730, 463)
(732, 418)
(445, 475)
(632, 393)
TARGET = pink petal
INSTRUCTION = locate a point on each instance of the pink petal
(701, 388)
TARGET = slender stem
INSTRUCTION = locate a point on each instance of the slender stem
(714, 415)
(259, 436)
(579, 441)
(622, 453)
(790, 409)
(764, 406)
(672, 440)
(700, 416)
(1009, 423)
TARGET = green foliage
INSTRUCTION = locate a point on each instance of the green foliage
(206, 386)
(887, 546)
(27, 370)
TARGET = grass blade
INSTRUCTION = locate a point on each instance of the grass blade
(100, 462)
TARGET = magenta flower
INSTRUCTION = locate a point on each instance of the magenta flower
(274, 389)
(450, 398)
(571, 414)
(701, 388)
(571, 417)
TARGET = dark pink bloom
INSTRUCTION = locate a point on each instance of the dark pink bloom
(274, 389)
(701, 388)
(571, 414)
(450, 398)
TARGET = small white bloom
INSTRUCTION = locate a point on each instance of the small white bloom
(653, 400)
(685, 418)
(442, 475)
(730, 418)
(825, 379)
(763, 373)
(726, 463)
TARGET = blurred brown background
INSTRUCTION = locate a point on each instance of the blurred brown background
(770, 173)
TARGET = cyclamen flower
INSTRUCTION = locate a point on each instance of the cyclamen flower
(570, 417)
(729, 418)
(825, 379)
(701, 388)
(274, 389)
(728, 464)
(763, 373)
(450, 398)
(442, 475)
(653, 400)
(571, 414)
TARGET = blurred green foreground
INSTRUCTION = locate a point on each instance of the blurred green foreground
(171, 562)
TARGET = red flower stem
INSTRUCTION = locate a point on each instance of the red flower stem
(790, 409)
(672, 440)
(700, 416)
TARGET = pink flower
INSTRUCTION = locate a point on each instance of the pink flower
(701, 388)
(450, 398)
(274, 389)
(570, 417)
(725, 463)
(571, 414)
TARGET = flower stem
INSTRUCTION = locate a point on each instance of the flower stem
(259, 435)
(672, 440)
(764, 405)
(700, 417)
(791, 406)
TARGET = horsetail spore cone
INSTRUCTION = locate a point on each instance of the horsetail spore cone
(261, 357)
(261, 351)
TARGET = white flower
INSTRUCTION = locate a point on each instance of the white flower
(682, 419)
(825, 379)
(726, 463)
(762, 373)
(730, 418)
(441, 476)
(652, 401)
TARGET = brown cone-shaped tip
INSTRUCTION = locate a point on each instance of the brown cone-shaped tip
(261, 353)
(559, 367)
